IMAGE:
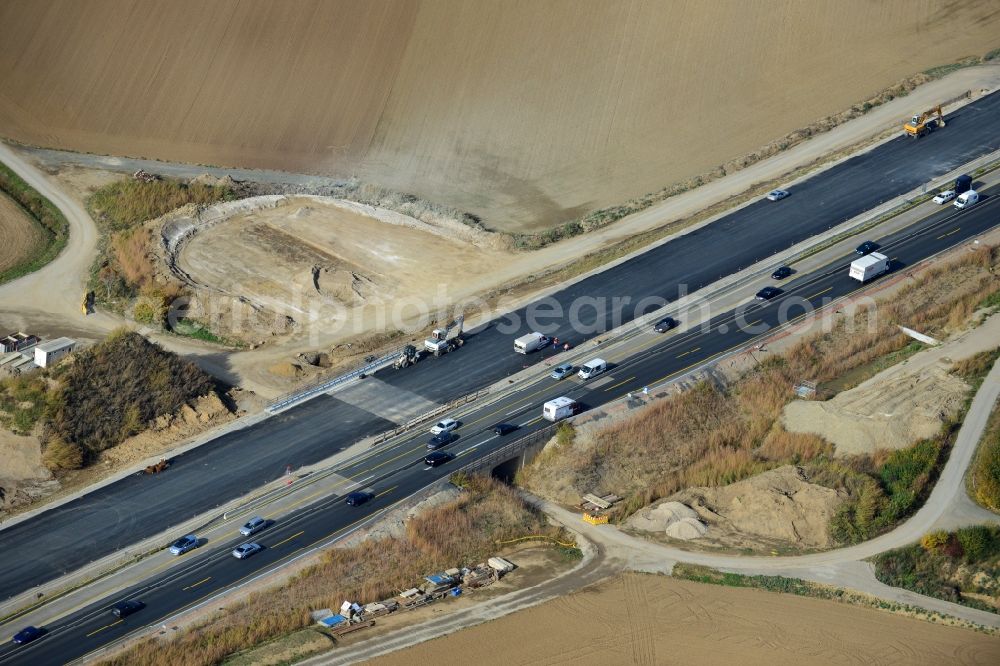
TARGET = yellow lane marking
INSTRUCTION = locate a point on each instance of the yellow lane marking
(193, 585)
(818, 293)
(754, 323)
(690, 351)
(393, 459)
(297, 534)
(953, 231)
(386, 492)
(533, 421)
(107, 626)
(624, 381)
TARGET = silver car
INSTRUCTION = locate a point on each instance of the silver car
(246, 550)
(776, 195)
(254, 525)
(184, 544)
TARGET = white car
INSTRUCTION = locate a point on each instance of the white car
(447, 425)
(944, 197)
(776, 195)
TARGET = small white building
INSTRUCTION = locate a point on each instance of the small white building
(47, 353)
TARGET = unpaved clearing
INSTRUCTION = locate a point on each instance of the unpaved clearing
(21, 235)
(643, 619)
(320, 259)
(774, 509)
(525, 113)
(899, 406)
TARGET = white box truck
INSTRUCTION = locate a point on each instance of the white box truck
(869, 266)
(559, 408)
(967, 199)
(531, 342)
(592, 368)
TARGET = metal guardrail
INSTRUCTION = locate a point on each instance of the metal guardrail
(322, 386)
(508, 451)
(454, 404)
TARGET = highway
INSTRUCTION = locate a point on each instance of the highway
(52, 543)
(396, 471)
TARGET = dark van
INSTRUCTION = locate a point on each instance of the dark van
(963, 184)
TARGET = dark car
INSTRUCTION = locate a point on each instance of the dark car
(126, 608)
(357, 498)
(442, 439)
(867, 247)
(27, 635)
(781, 273)
(436, 458)
(767, 293)
(503, 429)
(665, 324)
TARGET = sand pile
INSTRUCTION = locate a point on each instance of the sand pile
(676, 520)
(776, 508)
(167, 431)
(892, 410)
(23, 477)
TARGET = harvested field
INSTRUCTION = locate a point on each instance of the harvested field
(639, 619)
(525, 113)
(22, 236)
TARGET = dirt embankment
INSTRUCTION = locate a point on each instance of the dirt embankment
(273, 264)
(774, 509)
(647, 620)
(492, 108)
(899, 406)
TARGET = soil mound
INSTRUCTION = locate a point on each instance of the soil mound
(891, 411)
(776, 508)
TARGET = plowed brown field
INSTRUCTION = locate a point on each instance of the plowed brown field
(650, 620)
(21, 235)
(525, 112)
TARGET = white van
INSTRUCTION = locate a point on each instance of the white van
(560, 408)
(592, 368)
(967, 199)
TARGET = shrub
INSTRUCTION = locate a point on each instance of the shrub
(977, 542)
(565, 434)
(60, 455)
(934, 540)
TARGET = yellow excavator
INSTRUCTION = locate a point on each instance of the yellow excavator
(924, 123)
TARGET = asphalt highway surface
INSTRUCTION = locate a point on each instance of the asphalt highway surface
(394, 472)
(55, 542)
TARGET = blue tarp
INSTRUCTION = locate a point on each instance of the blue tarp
(333, 621)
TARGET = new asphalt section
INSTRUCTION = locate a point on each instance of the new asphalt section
(394, 473)
(74, 534)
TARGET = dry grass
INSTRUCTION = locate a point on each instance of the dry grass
(458, 533)
(711, 435)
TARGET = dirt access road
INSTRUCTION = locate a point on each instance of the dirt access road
(609, 552)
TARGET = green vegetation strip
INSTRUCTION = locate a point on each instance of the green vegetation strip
(804, 588)
(44, 213)
(962, 567)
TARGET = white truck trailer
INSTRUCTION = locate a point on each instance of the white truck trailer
(559, 408)
(869, 266)
(531, 342)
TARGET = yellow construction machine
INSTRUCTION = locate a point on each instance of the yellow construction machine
(924, 123)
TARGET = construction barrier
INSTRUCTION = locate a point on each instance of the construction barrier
(595, 519)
